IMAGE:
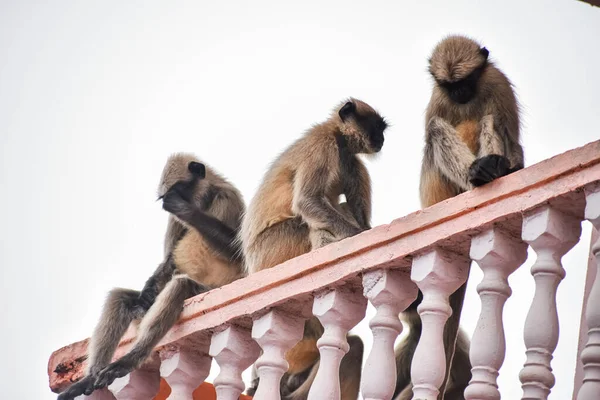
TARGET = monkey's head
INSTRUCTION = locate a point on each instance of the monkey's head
(184, 167)
(362, 126)
(456, 65)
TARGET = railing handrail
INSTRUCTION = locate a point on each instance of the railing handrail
(453, 220)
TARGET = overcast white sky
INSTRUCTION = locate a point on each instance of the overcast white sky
(94, 96)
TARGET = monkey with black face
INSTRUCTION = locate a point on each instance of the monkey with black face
(473, 129)
(472, 137)
(296, 209)
(200, 253)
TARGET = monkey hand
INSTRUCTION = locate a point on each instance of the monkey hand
(178, 204)
(486, 169)
(118, 369)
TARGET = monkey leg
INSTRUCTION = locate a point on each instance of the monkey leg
(160, 318)
(120, 309)
(156, 283)
(278, 243)
(322, 237)
(449, 153)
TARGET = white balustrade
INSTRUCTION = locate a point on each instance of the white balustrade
(438, 274)
(234, 350)
(276, 332)
(498, 255)
(184, 369)
(390, 292)
(551, 234)
(100, 394)
(339, 310)
(141, 384)
(590, 356)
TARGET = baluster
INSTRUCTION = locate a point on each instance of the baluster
(276, 333)
(551, 234)
(438, 274)
(234, 350)
(184, 369)
(100, 394)
(141, 384)
(339, 311)
(590, 356)
(390, 292)
(498, 255)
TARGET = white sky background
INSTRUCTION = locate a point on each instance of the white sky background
(95, 96)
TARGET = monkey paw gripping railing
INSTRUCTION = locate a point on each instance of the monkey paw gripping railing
(541, 206)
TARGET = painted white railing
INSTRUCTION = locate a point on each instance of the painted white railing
(541, 207)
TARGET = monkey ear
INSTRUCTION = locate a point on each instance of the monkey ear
(197, 169)
(484, 52)
(348, 109)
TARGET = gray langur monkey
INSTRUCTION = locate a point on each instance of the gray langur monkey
(201, 252)
(471, 138)
(296, 209)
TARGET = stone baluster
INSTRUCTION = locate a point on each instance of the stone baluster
(551, 234)
(498, 255)
(100, 394)
(234, 350)
(390, 292)
(339, 310)
(184, 369)
(276, 333)
(590, 356)
(438, 274)
(141, 384)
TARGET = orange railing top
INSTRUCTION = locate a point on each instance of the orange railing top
(450, 223)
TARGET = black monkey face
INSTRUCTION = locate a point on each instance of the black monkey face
(370, 124)
(464, 90)
(374, 126)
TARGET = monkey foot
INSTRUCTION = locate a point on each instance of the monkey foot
(84, 386)
(118, 369)
(486, 169)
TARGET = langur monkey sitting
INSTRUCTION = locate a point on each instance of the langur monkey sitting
(201, 252)
(471, 138)
(296, 209)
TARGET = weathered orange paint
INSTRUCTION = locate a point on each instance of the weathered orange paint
(206, 391)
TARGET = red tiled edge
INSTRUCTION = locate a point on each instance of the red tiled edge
(383, 245)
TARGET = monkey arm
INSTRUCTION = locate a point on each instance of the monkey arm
(156, 283)
(218, 235)
(310, 201)
(492, 140)
(449, 153)
(357, 189)
(356, 185)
